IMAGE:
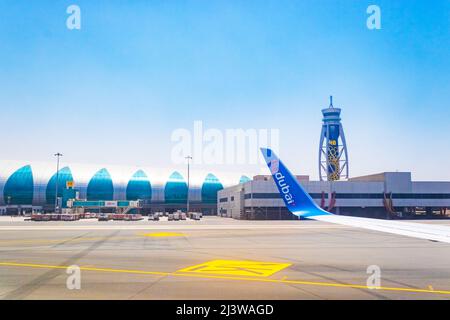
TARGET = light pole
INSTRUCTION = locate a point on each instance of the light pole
(9, 203)
(188, 160)
(57, 155)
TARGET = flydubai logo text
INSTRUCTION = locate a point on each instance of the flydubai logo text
(284, 187)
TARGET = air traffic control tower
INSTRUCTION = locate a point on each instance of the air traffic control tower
(333, 157)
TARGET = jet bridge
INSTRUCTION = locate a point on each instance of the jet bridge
(120, 206)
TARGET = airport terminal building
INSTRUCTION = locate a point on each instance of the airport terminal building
(384, 195)
(28, 188)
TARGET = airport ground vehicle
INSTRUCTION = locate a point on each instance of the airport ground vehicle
(170, 217)
(132, 217)
(195, 215)
(40, 217)
(70, 217)
(54, 217)
(90, 215)
(176, 216)
(103, 217)
(118, 216)
(190, 215)
(182, 216)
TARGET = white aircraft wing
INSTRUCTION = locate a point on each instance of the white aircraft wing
(300, 203)
(415, 230)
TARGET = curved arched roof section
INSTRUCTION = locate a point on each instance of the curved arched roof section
(210, 187)
(139, 187)
(176, 189)
(18, 188)
(64, 175)
(100, 187)
(244, 179)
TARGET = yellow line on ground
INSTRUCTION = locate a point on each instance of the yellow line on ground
(67, 240)
(162, 234)
(179, 274)
(85, 268)
(323, 284)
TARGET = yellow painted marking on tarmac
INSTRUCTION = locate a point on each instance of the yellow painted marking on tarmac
(284, 278)
(206, 276)
(67, 240)
(163, 234)
(430, 287)
(238, 268)
(31, 265)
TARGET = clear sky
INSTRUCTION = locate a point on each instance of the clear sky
(114, 91)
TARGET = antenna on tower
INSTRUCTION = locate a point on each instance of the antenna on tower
(331, 102)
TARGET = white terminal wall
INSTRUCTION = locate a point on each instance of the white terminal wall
(387, 182)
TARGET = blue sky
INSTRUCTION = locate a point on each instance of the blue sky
(138, 70)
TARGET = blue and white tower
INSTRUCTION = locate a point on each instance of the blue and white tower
(333, 157)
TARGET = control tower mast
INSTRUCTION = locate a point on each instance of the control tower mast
(333, 157)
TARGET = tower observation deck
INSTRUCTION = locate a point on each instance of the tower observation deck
(333, 157)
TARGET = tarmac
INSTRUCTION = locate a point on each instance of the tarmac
(216, 258)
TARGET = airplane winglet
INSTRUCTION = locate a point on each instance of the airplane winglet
(296, 199)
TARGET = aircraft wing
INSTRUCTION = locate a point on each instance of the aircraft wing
(415, 230)
(300, 203)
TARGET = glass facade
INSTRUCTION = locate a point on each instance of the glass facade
(29, 185)
(176, 189)
(18, 188)
(64, 175)
(100, 186)
(139, 187)
(244, 179)
(209, 189)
